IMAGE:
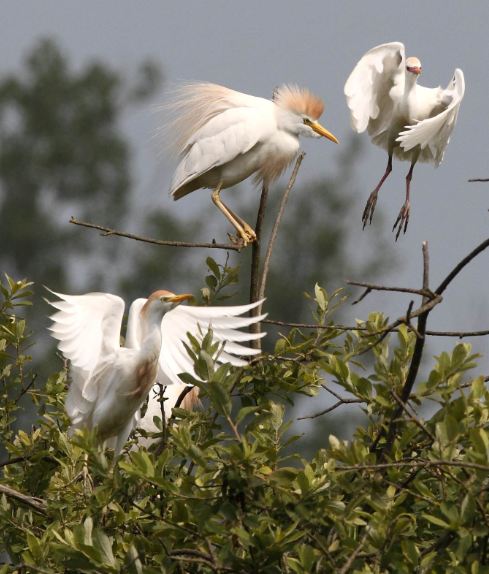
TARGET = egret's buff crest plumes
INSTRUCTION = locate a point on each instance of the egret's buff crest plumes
(299, 100)
(156, 295)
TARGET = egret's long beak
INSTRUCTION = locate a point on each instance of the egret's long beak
(180, 298)
(318, 128)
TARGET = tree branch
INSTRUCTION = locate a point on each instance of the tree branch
(107, 231)
(416, 358)
(460, 334)
(255, 265)
(36, 503)
(278, 219)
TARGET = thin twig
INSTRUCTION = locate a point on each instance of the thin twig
(416, 358)
(36, 503)
(374, 287)
(412, 464)
(412, 417)
(255, 265)
(456, 270)
(340, 402)
(478, 179)
(354, 554)
(107, 231)
(459, 334)
(278, 219)
(14, 460)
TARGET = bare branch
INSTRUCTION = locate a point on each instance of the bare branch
(412, 417)
(354, 554)
(465, 261)
(255, 265)
(278, 219)
(478, 179)
(36, 503)
(412, 464)
(417, 354)
(341, 401)
(459, 334)
(107, 231)
(373, 287)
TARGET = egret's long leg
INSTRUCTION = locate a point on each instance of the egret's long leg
(403, 217)
(368, 212)
(245, 231)
(248, 229)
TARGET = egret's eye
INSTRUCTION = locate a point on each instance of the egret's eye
(307, 121)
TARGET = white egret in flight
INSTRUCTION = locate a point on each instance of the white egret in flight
(224, 136)
(410, 121)
(109, 383)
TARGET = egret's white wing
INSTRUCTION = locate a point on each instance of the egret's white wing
(88, 330)
(223, 138)
(434, 133)
(224, 322)
(368, 88)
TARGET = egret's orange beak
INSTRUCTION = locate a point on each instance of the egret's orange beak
(318, 128)
(179, 298)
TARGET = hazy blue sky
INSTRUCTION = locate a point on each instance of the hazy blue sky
(255, 45)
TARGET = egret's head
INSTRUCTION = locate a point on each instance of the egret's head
(162, 301)
(302, 111)
(413, 65)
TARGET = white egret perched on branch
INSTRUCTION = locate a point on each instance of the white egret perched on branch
(410, 121)
(224, 136)
(109, 383)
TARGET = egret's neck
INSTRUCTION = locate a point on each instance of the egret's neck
(151, 333)
(410, 81)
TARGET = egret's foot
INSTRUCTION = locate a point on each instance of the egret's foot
(402, 219)
(236, 240)
(249, 231)
(368, 212)
(245, 234)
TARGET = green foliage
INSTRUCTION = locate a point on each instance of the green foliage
(230, 491)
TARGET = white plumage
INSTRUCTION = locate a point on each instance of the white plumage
(224, 136)
(409, 121)
(109, 383)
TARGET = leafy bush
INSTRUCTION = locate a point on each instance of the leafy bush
(220, 491)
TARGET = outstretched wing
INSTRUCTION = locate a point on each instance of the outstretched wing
(88, 329)
(434, 133)
(368, 88)
(225, 323)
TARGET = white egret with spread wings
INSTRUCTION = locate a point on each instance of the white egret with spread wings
(110, 382)
(409, 121)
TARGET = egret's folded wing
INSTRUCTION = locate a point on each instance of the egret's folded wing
(226, 136)
(225, 323)
(368, 87)
(435, 132)
(87, 328)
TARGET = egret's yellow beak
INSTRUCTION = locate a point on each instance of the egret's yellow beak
(179, 298)
(318, 128)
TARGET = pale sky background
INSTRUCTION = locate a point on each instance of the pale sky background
(255, 45)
